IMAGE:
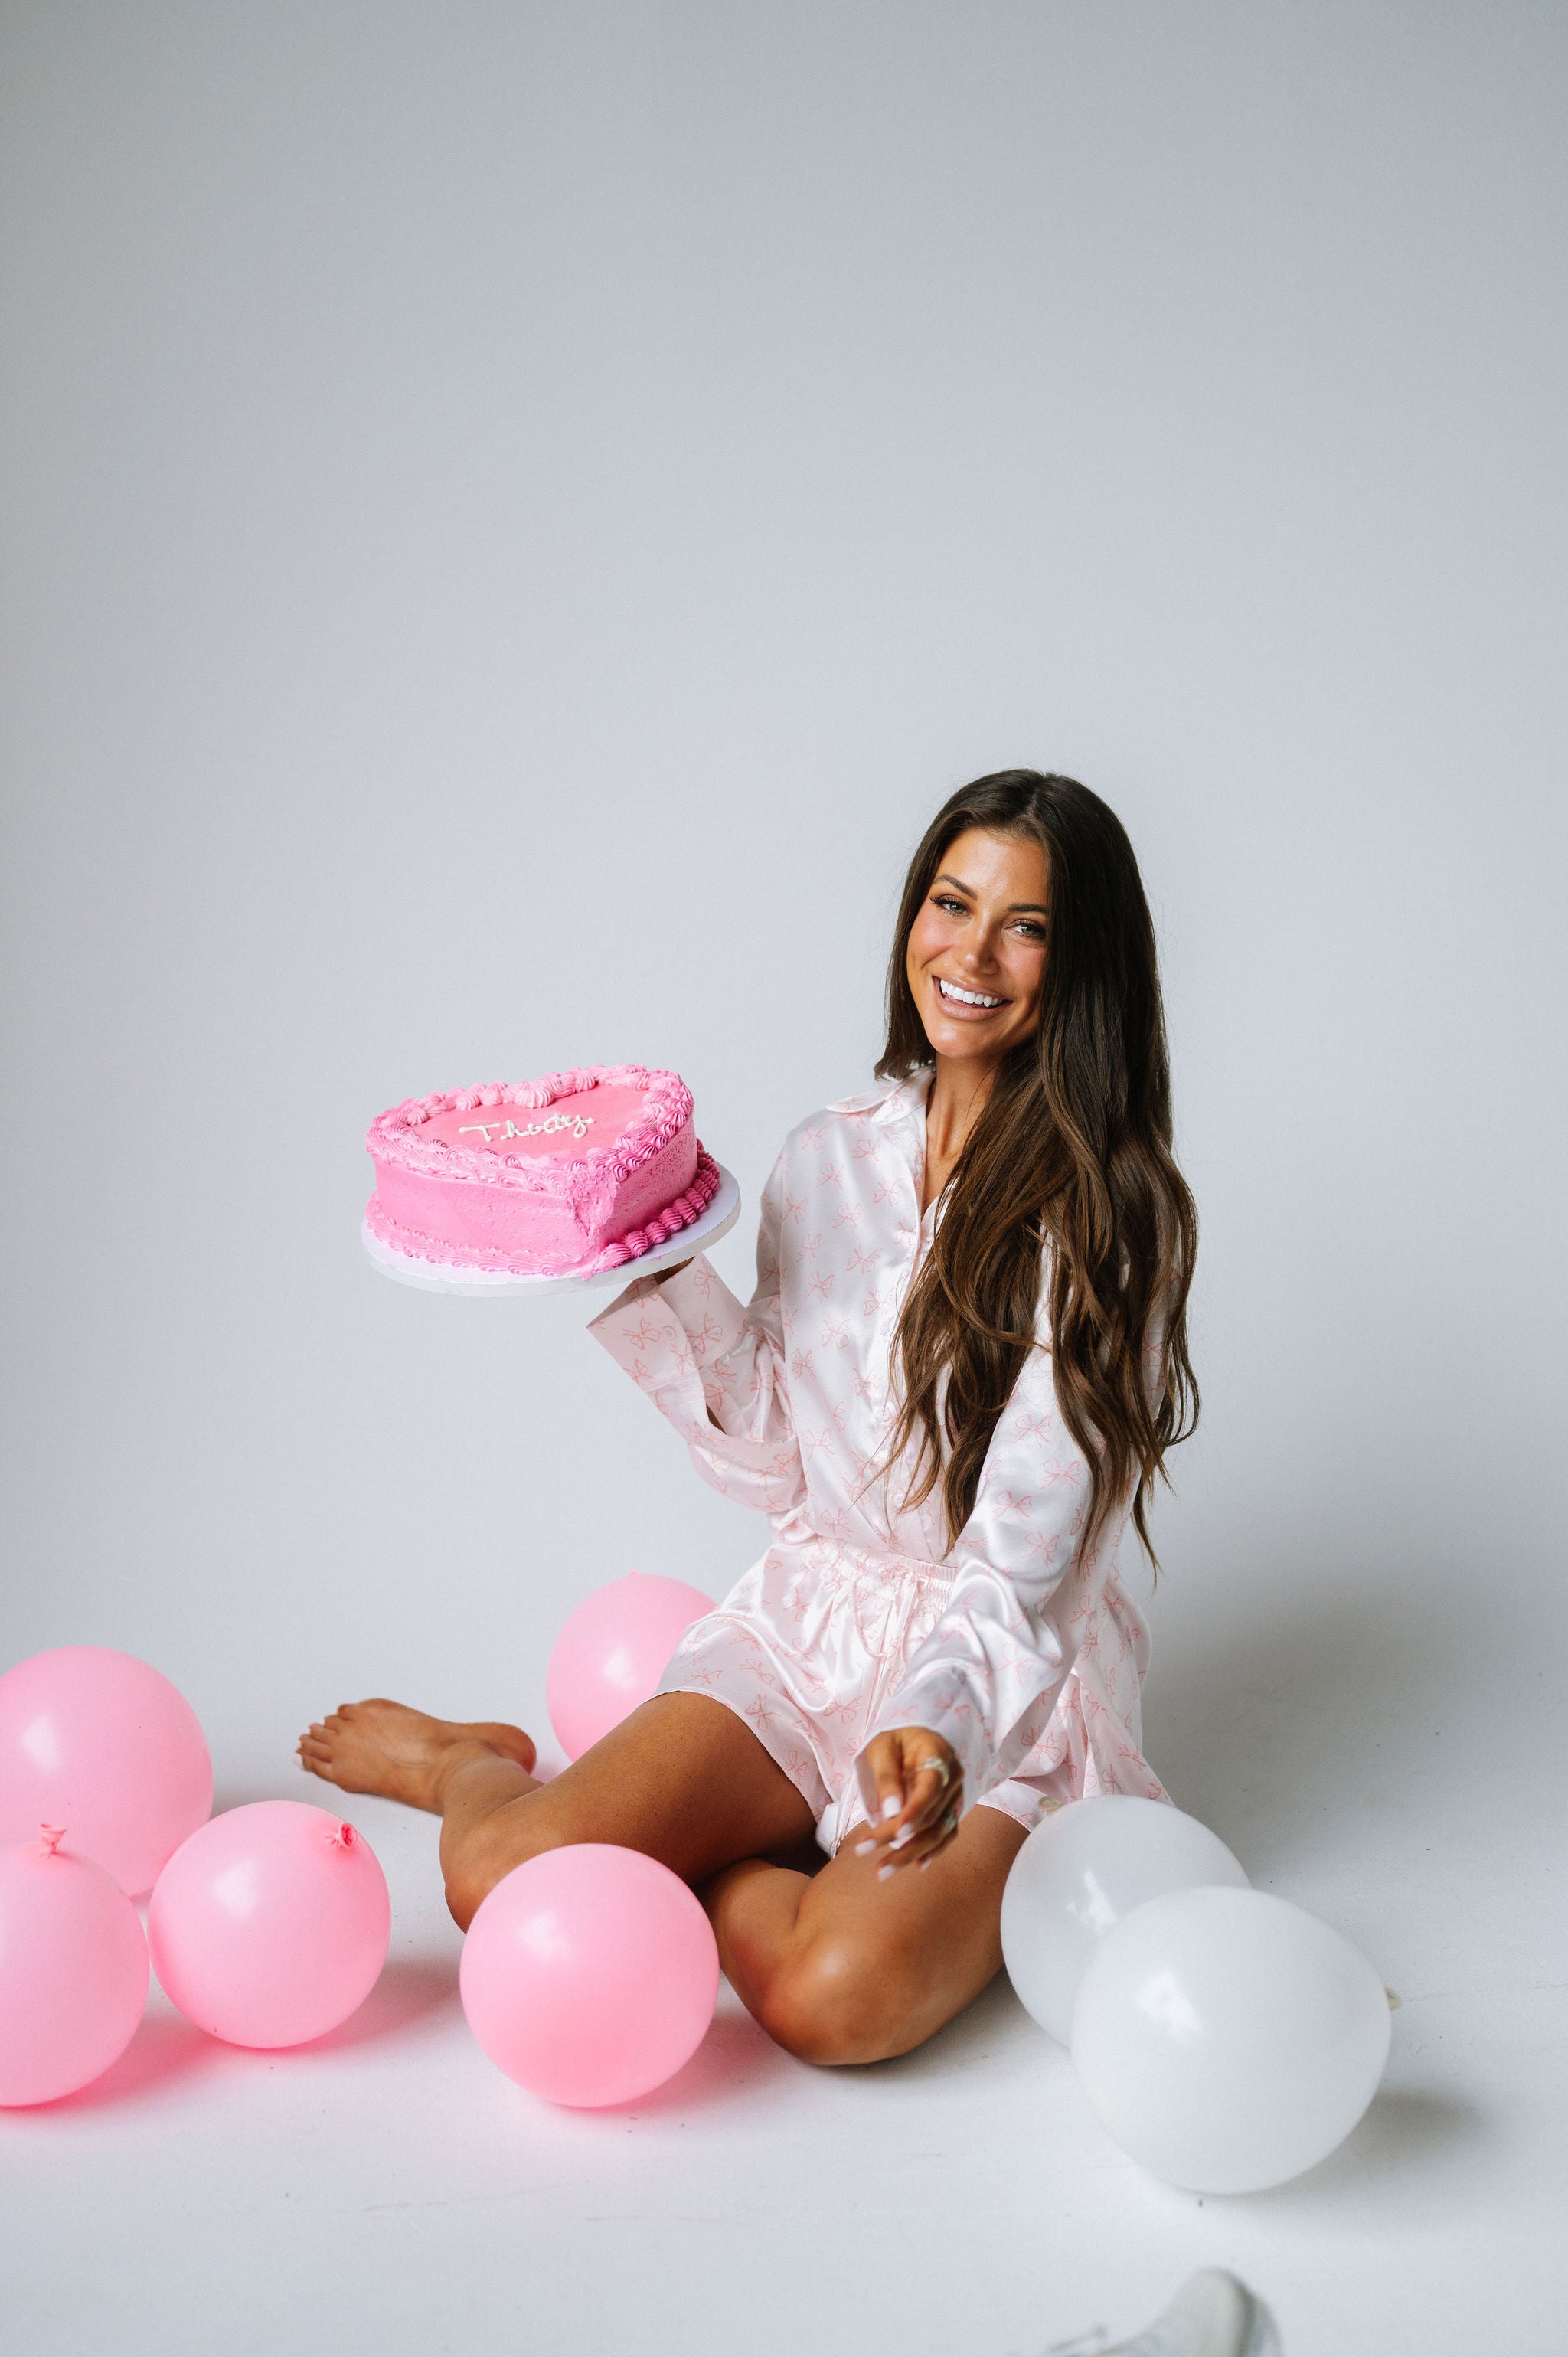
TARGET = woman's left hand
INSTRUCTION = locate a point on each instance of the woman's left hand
(920, 1798)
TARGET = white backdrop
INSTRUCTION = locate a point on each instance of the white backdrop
(515, 515)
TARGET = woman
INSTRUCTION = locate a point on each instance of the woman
(963, 1364)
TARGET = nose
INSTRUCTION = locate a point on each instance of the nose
(978, 957)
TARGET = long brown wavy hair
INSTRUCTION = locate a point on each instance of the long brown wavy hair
(1068, 1165)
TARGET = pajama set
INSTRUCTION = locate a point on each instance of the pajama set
(1024, 1652)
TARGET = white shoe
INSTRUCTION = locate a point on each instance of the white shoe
(1211, 2316)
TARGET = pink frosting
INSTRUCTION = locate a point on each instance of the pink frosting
(599, 1166)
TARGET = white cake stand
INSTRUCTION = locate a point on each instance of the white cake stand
(490, 1284)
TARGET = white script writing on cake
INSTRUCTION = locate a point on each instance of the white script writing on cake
(579, 1123)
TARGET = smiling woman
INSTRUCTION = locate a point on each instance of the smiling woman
(957, 1376)
(974, 965)
(1052, 1083)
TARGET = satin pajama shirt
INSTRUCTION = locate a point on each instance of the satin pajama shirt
(1026, 1653)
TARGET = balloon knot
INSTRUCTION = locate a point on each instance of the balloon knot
(52, 1837)
(344, 1837)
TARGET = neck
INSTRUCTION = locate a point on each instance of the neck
(960, 1086)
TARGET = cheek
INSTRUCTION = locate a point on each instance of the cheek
(927, 937)
(1025, 973)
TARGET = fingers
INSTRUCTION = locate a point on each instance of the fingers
(922, 1844)
(918, 1792)
(926, 1776)
(926, 1837)
(886, 1760)
(923, 1808)
(946, 1834)
(883, 1769)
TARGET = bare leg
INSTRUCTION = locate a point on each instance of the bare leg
(837, 1966)
(683, 1779)
(842, 1968)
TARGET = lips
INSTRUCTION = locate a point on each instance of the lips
(968, 1002)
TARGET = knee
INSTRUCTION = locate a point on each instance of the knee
(476, 1861)
(829, 2002)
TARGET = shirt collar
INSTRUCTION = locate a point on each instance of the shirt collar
(894, 1101)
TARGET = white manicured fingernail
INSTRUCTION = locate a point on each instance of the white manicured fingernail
(926, 1861)
(863, 1849)
(899, 1839)
(890, 1806)
(884, 1871)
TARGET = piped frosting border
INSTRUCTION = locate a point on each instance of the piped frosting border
(667, 1109)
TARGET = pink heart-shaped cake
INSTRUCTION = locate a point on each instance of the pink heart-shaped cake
(553, 1177)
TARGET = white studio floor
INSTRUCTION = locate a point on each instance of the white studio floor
(388, 2189)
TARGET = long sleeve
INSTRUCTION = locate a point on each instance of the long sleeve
(716, 1370)
(989, 1674)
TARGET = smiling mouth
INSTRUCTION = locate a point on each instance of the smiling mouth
(955, 996)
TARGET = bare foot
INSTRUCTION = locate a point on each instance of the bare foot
(403, 1755)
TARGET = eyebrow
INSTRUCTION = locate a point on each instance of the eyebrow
(1018, 908)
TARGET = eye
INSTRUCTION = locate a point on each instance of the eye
(1028, 925)
(945, 900)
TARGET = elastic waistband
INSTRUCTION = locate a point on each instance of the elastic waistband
(875, 1568)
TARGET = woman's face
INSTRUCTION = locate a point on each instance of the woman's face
(976, 959)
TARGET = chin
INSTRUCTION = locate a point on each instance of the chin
(957, 1042)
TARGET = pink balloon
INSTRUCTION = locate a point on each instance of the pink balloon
(102, 1744)
(271, 1925)
(73, 1971)
(612, 1653)
(590, 1975)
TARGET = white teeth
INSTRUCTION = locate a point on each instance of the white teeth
(965, 998)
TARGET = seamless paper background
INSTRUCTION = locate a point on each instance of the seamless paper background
(514, 517)
(511, 518)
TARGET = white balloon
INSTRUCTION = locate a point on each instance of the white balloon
(1081, 1872)
(1228, 2040)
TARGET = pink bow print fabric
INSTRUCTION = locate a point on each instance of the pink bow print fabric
(1024, 1652)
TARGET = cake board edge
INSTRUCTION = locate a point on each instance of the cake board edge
(490, 1285)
